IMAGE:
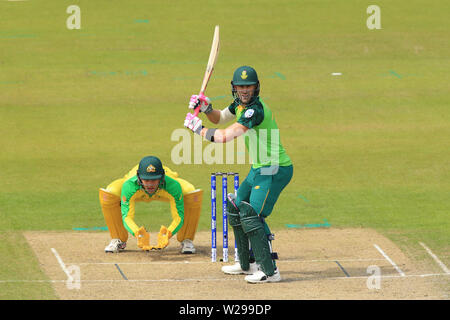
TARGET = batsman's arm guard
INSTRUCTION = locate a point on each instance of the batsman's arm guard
(226, 116)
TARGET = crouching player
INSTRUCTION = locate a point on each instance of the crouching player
(151, 181)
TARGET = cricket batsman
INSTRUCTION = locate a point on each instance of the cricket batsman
(271, 171)
(151, 181)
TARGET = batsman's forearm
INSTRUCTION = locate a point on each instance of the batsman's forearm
(214, 116)
(217, 135)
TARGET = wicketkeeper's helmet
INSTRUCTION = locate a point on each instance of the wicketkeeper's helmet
(150, 168)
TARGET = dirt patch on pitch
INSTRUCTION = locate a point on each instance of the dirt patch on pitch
(314, 264)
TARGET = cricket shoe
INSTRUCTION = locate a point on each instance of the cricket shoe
(236, 269)
(115, 245)
(187, 246)
(261, 277)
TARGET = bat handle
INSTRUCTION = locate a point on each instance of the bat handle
(196, 111)
(201, 97)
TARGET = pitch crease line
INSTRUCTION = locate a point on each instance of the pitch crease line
(390, 261)
(61, 264)
(231, 279)
(439, 262)
(234, 279)
(209, 262)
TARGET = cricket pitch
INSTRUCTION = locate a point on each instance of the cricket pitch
(326, 263)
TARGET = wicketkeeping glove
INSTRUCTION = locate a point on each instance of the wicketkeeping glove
(163, 237)
(143, 239)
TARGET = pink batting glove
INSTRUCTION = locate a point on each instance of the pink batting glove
(194, 101)
(200, 103)
(193, 123)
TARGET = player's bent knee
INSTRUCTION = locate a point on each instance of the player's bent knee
(115, 187)
(233, 213)
(249, 218)
(254, 229)
(186, 186)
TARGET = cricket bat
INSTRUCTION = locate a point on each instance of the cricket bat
(209, 67)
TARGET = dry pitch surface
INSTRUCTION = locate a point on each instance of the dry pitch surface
(314, 264)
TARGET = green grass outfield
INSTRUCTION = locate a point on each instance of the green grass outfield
(79, 108)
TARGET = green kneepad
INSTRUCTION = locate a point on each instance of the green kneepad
(254, 229)
(240, 236)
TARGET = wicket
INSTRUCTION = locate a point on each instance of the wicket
(224, 214)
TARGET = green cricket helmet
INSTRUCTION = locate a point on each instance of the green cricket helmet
(150, 168)
(245, 76)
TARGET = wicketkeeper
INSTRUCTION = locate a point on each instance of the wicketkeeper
(271, 171)
(151, 181)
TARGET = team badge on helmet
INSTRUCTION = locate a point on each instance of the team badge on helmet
(150, 168)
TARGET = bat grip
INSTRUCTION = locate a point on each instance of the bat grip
(196, 111)
(201, 97)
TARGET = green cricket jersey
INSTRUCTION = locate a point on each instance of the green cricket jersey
(263, 139)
